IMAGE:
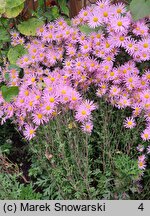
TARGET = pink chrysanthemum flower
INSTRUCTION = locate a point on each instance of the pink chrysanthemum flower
(148, 150)
(129, 122)
(82, 113)
(90, 105)
(142, 165)
(145, 135)
(29, 132)
(140, 148)
(38, 118)
(120, 8)
(87, 127)
(120, 23)
(95, 20)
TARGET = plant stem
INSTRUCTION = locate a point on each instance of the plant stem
(33, 5)
(44, 5)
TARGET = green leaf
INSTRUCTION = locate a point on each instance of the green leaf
(52, 13)
(13, 3)
(65, 10)
(4, 36)
(12, 66)
(55, 12)
(9, 93)
(40, 3)
(14, 12)
(15, 53)
(140, 9)
(87, 30)
(7, 77)
(48, 16)
(2, 6)
(30, 26)
(63, 7)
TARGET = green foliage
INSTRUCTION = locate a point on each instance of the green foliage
(63, 7)
(7, 132)
(2, 6)
(87, 30)
(140, 9)
(11, 8)
(11, 189)
(4, 36)
(9, 93)
(54, 12)
(30, 26)
(14, 12)
(63, 169)
(127, 173)
(15, 53)
(14, 3)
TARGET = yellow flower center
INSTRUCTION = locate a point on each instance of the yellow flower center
(95, 19)
(74, 98)
(146, 96)
(66, 98)
(140, 163)
(48, 108)
(31, 132)
(85, 46)
(145, 45)
(119, 10)
(63, 91)
(52, 99)
(26, 93)
(112, 73)
(30, 103)
(106, 67)
(148, 76)
(130, 79)
(83, 112)
(32, 79)
(122, 38)
(85, 13)
(52, 79)
(105, 14)
(129, 122)
(130, 45)
(87, 126)
(119, 23)
(107, 45)
(146, 135)
(39, 116)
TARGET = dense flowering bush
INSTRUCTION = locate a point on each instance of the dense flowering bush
(64, 61)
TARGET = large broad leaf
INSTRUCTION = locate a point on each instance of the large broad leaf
(15, 53)
(9, 93)
(87, 30)
(2, 6)
(13, 3)
(29, 27)
(63, 7)
(140, 9)
(14, 12)
(4, 36)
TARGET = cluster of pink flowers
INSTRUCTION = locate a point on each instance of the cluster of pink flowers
(142, 162)
(142, 158)
(63, 63)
